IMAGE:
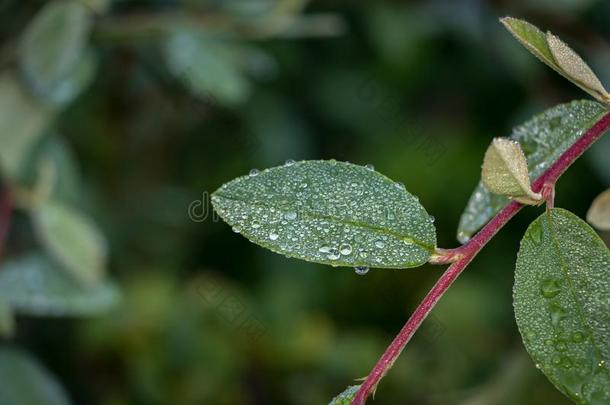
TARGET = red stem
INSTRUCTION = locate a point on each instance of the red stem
(466, 253)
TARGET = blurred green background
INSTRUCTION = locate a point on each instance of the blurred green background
(127, 114)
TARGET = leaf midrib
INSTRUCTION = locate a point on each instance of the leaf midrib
(427, 247)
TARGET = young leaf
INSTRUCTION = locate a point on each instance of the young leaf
(557, 55)
(543, 139)
(562, 304)
(346, 397)
(25, 382)
(73, 239)
(576, 69)
(505, 172)
(329, 212)
(53, 45)
(599, 212)
(33, 285)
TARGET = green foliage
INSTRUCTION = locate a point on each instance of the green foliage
(35, 285)
(24, 382)
(346, 397)
(329, 212)
(543, 139)
(562, 298)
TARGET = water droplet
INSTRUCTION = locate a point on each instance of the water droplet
(561, 347)
(370, 166)
(432, 219)
(578, 337)
(255, 225)
(290, 215)
(557, 314)
(399, 185)
(361, 270)
(324, 249)
(379, 244)
(234, 229)
(556, 360)
(345, 249)
(333, 254)
(536, 233)
(253, 172)
(273, 235)
(463, 237)
(289, 162)
(550, 288)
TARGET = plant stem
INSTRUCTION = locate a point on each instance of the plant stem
(6, 203)
(466, 253)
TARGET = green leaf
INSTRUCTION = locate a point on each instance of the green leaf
(558, 55)
(25, 382)
(53, 46)
(346, 397)
(206, 67)
(599, 212)
(562, 304)
(34, 285)
(72, 239)
(329, 212)
(543, 139)
(23, 120)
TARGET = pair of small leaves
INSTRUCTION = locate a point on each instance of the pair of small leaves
(562, 304)
(599, 212)
(543, 140)
(505, 172)
(329, 212)
(557, 55)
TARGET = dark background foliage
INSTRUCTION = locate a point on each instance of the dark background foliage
(417, 88)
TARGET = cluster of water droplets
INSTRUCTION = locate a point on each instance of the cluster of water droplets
(329, 212)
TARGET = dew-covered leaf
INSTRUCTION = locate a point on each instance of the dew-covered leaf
(576, 69)
(206, 67)
(557, 55)
(25, 382)
(329, 212)
(34, 285)
(23, 120)
(505, 172)
(599, 212)
(53, 46)
(543, 139)
(562, 304)
(346, 397)
(73, 239)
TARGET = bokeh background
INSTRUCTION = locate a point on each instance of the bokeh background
(165, 100)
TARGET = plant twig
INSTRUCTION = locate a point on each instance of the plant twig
(466, 254)
(6, 207)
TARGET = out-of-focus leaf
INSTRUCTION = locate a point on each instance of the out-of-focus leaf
(562, 304)
(559, 56)
(7, 321)
(505, 172)
(543, 139)
(23, 120)
(53, 48)
(34, 285)
(598, 157)
(329, 212)
(73, 239)
(206, 69)
(346, 397)
(25, 382)
(599, 212)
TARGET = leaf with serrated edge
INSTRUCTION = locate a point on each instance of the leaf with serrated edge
(543, 139)
(346, 397)
(599, 212)
(576, 69)
(505, 172)
(34, 285)
(329, 212)
(23, 381)
(562, 304)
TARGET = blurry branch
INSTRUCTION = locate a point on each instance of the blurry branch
(149, 26)
(5, 214)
